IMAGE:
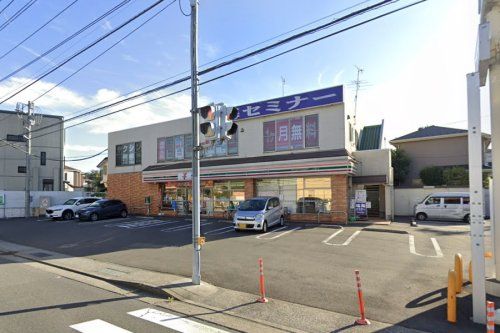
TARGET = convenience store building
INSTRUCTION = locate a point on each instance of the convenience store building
(304, 148)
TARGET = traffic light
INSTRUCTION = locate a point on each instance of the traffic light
(209, 127)
(228, 126)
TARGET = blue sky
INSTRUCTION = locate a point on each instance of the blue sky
(414, 61)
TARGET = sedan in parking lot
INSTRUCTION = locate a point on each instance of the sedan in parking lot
(102, 209)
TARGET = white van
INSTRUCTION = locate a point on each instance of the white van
(447, 205)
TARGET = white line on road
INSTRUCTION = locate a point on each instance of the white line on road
(214, 232)
(437, 248)
(98, 326)
(182, 227)
(347, 242)
(279, 234)
(174, 322)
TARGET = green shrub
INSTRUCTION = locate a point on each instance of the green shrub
(432, 176)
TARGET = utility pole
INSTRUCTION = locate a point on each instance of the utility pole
(282, 86)
(28, 121)
(196, 278)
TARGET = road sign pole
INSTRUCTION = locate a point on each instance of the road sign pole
(196, 278)
(476, 199)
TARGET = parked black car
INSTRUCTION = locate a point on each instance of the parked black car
(102, 209)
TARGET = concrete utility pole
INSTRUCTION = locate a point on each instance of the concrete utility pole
(476, 199)
(196, 278)
(28, 121)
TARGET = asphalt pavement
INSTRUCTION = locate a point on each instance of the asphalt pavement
(403, 269)
(34, 300)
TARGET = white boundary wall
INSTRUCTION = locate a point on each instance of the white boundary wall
(405, 199)
(14, 201)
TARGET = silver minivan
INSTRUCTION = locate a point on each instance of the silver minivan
(259, 214)
(444, 206)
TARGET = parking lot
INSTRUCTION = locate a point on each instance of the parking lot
(403, 268)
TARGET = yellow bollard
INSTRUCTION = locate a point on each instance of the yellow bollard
(470, 271)
(459, 271)
(452, 299)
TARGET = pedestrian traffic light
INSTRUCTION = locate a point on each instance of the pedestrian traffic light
(228, 124)
(208, 128)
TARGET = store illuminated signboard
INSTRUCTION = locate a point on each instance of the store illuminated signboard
(291, 103)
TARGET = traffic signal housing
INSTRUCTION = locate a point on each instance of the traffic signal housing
(228, 126)
(209, 127)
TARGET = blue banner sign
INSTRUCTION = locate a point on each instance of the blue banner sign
(291, 103)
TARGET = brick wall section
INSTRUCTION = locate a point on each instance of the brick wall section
(340, 198)
(129, 188)
(250, 188)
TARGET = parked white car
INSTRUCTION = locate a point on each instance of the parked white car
(68, 209)
(444, 206)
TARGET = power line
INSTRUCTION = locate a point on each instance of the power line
(85, 49)
(70, 159)
(4, 8)
(17, 14)
(105, 51)
(67, 39)
(234, 71)
(182, 11)
(49, 63)
(229, 62)
(227, 55)
(37, 30)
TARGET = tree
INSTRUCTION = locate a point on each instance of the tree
(456, 176)
(401, 165)
(93, 181)
(432, 176)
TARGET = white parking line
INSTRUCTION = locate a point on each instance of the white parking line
(182, 227)
(98, 326)
(215, 232)
(173, 322)
(347, 242)
(437, 248)
(279, 234)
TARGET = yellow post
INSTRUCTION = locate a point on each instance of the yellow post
(452, 299)
(470, 271)
(459, 271)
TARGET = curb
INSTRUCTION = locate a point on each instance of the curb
(392, 231)
(155, 291)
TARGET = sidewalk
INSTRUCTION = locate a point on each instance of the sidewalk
(275, 316)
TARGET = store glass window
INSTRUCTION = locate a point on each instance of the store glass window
(128, 154)
(299, 195)
(227, 193)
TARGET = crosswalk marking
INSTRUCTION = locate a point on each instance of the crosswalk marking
(347, 242)
(141, 224)
(174, 322)
(276, 231)
(437, 248)
(98, 326)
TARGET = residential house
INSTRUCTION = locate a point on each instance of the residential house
(436, 146)
(73, 179)
(103, 171)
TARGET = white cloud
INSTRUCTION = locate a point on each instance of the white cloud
(128, 57)
(72, 150)
(210, 50)
(106, 25)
